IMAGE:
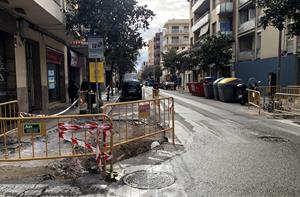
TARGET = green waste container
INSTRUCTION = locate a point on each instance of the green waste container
(215, 86)
(228, 91)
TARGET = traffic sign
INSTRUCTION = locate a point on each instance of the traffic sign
(100, 68)
(96, 47)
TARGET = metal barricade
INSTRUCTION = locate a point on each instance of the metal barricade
(44, 137)
(254, 99)
(137, 120)
(10, 110)
(286, 104)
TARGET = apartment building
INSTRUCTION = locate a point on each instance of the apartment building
(208, 17)
(257, 49)
(158, 41)
(175, 36)
(36, 63)
(151, 52)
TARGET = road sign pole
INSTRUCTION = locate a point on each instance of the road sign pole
(97, 84)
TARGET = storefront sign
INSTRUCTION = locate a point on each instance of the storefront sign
(100, 67)
(96, 49)
(53, 57)
(144, 110)
(33, 129)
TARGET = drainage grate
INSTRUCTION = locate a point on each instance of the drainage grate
(148, 180)
(273, 139)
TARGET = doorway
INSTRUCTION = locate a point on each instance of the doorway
(33, 76)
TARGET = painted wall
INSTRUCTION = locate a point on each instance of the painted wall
(290, 70)
(21, 72)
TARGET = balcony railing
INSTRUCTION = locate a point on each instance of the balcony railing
(176, 31)
(201, 22)
(246, 55)
(247, 26)
(197, 4)
(225, 8)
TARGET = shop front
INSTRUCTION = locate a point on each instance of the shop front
(7, 68)
(56, 75)
(76, 64)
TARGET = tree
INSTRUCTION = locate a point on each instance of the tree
(277, 13)
(175, 61)
(213, 50)
(119, 22)
(150, 72)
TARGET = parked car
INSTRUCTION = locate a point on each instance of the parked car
(150, 82)
(131, 90)
(167, 85)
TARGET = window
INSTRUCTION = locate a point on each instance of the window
(175, 29)
(186, 29)
(225, 26)
(175, 39)
(243, 16)
(214, 28)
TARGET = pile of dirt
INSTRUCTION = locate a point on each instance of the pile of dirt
(65, 169)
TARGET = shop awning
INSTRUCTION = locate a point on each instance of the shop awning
(204, 30)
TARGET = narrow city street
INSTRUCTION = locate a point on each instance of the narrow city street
(228, 151)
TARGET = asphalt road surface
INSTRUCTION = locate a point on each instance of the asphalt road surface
(230, 151)
(222, 150)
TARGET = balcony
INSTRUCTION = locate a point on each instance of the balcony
(246, 55)
(243, 3)
(176, 42)
(46, 14)
(197, 4)
(225, 8)
(201, 22)
(176, 31)
(247, 26)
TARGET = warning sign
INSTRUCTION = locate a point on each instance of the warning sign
(144, 110)
(33, 129)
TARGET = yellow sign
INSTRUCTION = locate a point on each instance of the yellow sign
(93, 72)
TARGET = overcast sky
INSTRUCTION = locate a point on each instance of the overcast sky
(164, 10)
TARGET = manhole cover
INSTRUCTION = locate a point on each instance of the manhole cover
(148, 180)
(273, 139)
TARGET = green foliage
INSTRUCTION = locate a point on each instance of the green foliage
(150, 72)
(212, 50)
(119, 22)
(176, 61)
(278, 12)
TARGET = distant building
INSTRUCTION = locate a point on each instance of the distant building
(176, 34)
(151, 52)
(158, 40)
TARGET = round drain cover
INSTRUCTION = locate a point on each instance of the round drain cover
(273, 139)
(148, 180)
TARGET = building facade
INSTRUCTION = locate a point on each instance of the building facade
(36, 64)
(158, 40)
(151, 52)
(176, 35)
(257, 48)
